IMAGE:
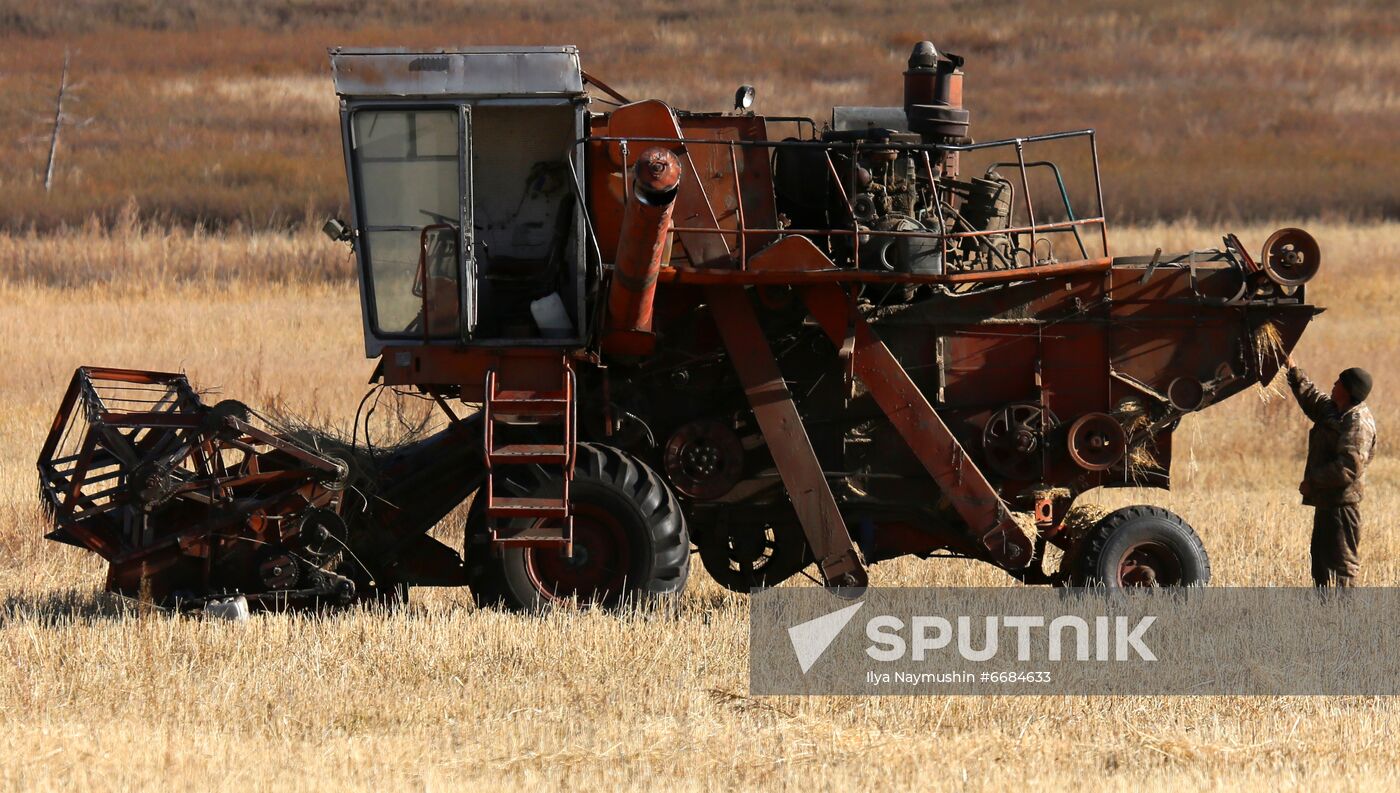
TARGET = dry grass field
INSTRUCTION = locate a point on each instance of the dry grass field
(220, 113)
(97, 695)
(180, 235)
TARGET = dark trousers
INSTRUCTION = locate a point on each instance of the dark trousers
(1335, 536)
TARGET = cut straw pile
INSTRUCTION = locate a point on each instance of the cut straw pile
(1132, 414)
(1080, 518)
(1269, 351)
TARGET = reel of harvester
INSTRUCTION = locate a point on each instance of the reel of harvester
(188, 501)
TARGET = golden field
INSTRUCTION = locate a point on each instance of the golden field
(179, 236)
(95, 694)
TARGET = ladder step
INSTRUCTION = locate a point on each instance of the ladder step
(519, 453)
(529, 403)
(533, 535)
(510, 507)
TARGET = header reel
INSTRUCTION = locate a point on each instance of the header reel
(188, 501)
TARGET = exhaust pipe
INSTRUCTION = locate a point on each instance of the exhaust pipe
(641, 250)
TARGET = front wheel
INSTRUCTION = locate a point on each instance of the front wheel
(630, 541)
(1140, 546)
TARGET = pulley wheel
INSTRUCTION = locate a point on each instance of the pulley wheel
(337, 480)
(1096, 442)
(322, 530)
(216, 418)
(704, 459)
(748, 557)
(1013, 438)
(1291, 257)
(278, 570)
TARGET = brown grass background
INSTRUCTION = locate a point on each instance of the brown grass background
(176, 237)
(217, 112)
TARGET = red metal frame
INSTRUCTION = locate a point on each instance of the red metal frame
(554, 524)
(958, 477)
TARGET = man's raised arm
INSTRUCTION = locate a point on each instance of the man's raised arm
(1317, 405)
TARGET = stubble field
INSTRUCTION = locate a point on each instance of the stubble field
(215, 115)
(95, 694)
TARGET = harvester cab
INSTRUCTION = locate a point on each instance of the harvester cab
(463, 170)
(468, 228)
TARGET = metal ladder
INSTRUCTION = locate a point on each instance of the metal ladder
(505, 405)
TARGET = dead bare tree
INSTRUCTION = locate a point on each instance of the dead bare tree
(57, 124)
(65, 93)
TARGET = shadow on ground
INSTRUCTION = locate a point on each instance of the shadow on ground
(70, 605)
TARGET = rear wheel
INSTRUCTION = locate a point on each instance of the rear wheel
(630, 541)
(1141, 546)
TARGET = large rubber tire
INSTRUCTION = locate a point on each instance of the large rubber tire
(1140, 546)
(630, 542)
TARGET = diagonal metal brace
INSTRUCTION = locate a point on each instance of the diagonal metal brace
(787, 438)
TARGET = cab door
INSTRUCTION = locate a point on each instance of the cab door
(412, 173)
(468, 280)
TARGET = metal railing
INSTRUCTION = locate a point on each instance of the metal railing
(922, 153)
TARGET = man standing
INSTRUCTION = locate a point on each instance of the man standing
(1340, 446)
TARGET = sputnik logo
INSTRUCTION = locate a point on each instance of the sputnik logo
(811, 638)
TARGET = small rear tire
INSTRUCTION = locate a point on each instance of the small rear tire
(1140, 546)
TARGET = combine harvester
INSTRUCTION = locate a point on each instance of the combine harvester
(780, 342)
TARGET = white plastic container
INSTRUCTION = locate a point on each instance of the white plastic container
(234, 609)
(552, 319)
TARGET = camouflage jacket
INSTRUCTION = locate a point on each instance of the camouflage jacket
(1340, 445)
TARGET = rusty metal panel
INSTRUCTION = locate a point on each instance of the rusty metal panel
(990, 365)
(655, 119)
(864, 117)
(1072, 368)
(744, 199)
(466, 72)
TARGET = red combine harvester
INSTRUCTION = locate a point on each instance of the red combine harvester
(784, 343)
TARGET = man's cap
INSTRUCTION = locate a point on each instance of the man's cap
(1357, 382)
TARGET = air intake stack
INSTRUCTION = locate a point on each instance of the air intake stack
(933, 95)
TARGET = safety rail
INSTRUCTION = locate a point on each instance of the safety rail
(743, 231)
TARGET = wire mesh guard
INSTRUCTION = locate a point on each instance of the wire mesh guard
(187, 500)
